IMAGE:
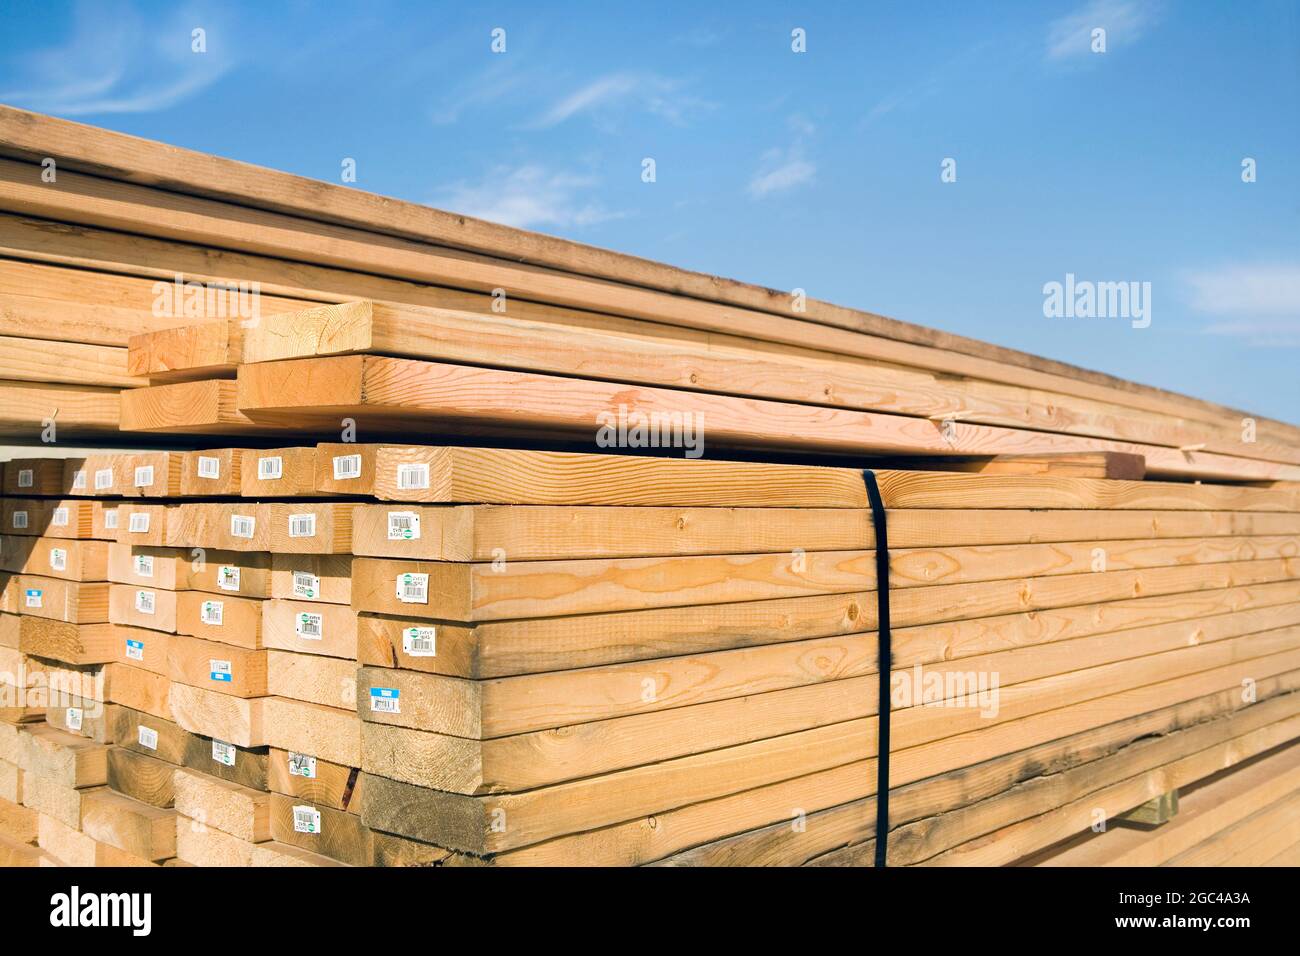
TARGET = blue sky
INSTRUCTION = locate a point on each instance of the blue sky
(818, 170)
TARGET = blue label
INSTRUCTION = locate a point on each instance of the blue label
(217, 675)
(138, 645)
(33, 592)
(389, 692)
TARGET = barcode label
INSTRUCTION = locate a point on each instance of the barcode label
(347, 466)
(306, 820)
(35, 597)
(241, 526)
(144, 476)
(144, 601)
(20, 519)
(212, 612)
(302, 526)
(73, 718)
(209, 467)
(413, 588)
(135, 650)
(413, 475)
(310, 626)
(270, 469)
(138, 523)
(385, 700)
(420, 641)
(302, 765)
(223, 753)
(58, 559)
(144, 565)
(25, 478)
(228, 578)
(305, 585)
(147, 736)
(79, 479)
(110, 519)
(220, 671)
(403, 525)
(60, 518)
(103, 479)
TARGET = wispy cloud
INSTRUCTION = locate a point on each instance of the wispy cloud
(1258, 302)
(483, 88)
(1123, 20)
(116, 61)
(784, 168)
(625, 91)
(528, 196)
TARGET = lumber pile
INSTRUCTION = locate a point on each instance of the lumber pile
(304, 300)
(467, 546)
(441, 655)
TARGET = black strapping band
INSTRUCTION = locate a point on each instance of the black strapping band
(884, 665)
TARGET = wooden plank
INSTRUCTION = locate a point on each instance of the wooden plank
(233, 621)
(149, 609)
(238, 811)
(64, 759)
(387, 393)
(312, 577)
(129, 825)
(232, 719)
(70, 643)
(328, 733)
(310, 627)
(1097, 464)
(336, 834)
(199, 350)
(150, 735)
(207, 407)
(328, 681)
(224, 668)
(27, 409)
(244, 766)
(278, 472)
(316, 781)
(141, 690)
(140, 777)
(311, 527)
(215, 471)
(75, 602)
(70, 559)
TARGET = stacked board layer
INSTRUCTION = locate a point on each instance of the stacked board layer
(440, 321)
(371, 654)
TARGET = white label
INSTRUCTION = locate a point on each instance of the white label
(144, 565)
(73, 718)
(302, 526)
(138, 523)
(385, 700)
(302, 765)
(35, 597)
(148, 737)
(60, 518)
(135, 649)
(144, 476)
(220, 671)
(403, 525)
(25, 478)
(20, 519)
(346, 467)
(413, 475)
(212, 612)
(308, 625)
(413, 588)
(209, 467)
(145, 601)
(110, 519)
(79, 479)
(306, 820)
(228, 578)
(270, 469)
(223, 753)
(305, 585)
(103, 479)
(420, 641)
(241, 526)
(58, 559)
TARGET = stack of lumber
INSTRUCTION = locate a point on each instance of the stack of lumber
(432, 654)
(383, 598)
(441, 318)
